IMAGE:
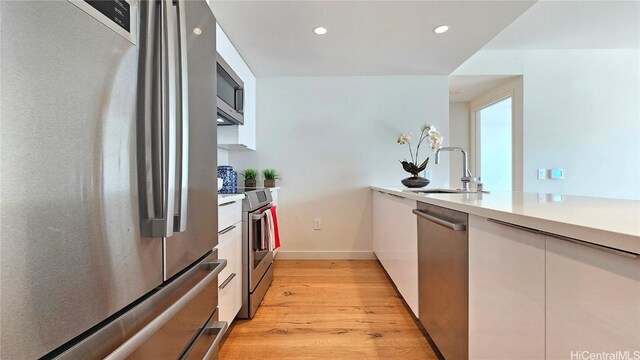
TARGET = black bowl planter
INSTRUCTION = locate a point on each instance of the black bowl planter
(415, 182)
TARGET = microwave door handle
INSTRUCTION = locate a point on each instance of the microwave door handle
(182, 175)
(239, 99)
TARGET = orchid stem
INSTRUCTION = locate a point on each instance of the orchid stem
(410, 152)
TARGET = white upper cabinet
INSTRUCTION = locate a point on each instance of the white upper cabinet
(593, 300)
(506, 291)
(236, 137)
(395, 243)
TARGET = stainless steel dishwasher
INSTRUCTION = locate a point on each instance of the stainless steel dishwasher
(443, 278)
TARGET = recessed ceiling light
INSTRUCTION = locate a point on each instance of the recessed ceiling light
(441, 29)
(320, 30)
(220, 120)
(197, 31)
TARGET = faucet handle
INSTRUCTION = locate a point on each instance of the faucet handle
(468, 177)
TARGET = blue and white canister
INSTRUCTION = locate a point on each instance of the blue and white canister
(229, 179)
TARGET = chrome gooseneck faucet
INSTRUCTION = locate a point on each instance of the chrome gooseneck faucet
(466, 174)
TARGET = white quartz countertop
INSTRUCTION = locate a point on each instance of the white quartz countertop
(227, 198)
(610, 222)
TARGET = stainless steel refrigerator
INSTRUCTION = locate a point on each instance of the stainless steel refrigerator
(108, 203)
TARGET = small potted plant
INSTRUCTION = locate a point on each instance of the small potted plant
(250, 178)
(414, 167)
(270, 177)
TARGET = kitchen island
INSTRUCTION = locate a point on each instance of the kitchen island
(548, 275)
(613, 223)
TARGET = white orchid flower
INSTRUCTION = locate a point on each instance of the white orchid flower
(404, 138)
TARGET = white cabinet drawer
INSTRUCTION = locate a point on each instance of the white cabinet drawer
(229, 214)
(227, 297)
(228, 249)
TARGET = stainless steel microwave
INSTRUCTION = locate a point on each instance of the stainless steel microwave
(230, 95)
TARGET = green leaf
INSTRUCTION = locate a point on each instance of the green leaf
(250, 174)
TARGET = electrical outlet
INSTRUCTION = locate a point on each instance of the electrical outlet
(317, 223)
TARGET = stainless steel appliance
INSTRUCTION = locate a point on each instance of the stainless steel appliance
(443, 278)
(108, 208)
(230, 97)
(257, 256)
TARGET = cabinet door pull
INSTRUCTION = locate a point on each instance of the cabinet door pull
(227, 204)
(593, 246)
(523, 228)
(227, 281)
(224, 231)
(390, 194)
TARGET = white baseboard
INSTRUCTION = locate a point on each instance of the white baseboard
(325, 255)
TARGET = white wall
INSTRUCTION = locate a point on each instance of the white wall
(223, 157)
(459, 136)
(581, 114)
(333, 137)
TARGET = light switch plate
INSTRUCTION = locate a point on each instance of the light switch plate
(542, 174)
(557, 174)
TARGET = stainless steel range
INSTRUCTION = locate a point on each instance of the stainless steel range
(257, 257)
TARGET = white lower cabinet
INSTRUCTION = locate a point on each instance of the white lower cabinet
(593, 301)
(227, 300)
(395, 243)
(230, 278)
(535, 296)
(506, 291)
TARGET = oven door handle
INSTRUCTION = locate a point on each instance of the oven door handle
(262, 215)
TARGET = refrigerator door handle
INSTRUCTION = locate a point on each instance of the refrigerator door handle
(163, 227)
(182, 181)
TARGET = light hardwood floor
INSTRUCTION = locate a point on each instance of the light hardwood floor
(328, 310)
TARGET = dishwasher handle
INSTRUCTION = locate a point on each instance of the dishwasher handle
(439, 221)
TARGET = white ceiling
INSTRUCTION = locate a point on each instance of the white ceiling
(463, 88)
(573, 25)
(275, 38)
(558, 25)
